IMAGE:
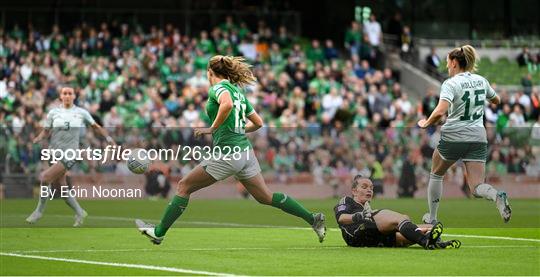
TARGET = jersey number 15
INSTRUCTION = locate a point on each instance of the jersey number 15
(477, 102)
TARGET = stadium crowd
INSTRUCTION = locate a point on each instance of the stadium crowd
(329, 110)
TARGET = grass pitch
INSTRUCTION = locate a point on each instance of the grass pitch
(241, 237)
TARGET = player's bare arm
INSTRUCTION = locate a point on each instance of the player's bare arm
(495, 100)
(45, 133)
(255, 122)
(346, 219)
(102, 132)
(436, 115)
(225, 108)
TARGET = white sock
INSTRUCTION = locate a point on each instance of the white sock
(42, 201)
(434, 194)
(72, 202)
(485, 191)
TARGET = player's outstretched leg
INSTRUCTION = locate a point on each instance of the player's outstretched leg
(148, 230)
(258, 189)
(79, 217)
(291, 206)
(319, 226)
(40, 208)
(411, 232)
(389, 221)
(500, 198)
(174, 210)
(80, 214)
(475, 171)
(196, 179)
(435, 187)
(503, 205)
(450, 244)
(48, 176)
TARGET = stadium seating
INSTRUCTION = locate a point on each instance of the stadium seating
(503, 71)
(141, 80)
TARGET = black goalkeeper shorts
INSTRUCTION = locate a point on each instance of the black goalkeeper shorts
(368, 235)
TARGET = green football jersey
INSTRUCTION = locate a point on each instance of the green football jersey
(233, 130)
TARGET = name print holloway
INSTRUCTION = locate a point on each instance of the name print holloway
(472, 84)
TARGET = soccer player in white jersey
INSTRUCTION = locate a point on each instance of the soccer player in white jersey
(63, 124)
(463, 135)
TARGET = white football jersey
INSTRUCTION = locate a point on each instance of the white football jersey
(66, 126)
(467, 94)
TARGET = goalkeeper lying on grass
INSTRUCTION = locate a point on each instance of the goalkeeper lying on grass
(362, 227)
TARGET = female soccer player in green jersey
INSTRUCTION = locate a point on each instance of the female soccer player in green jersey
(63, 125)
(232, 116)
(463, 135)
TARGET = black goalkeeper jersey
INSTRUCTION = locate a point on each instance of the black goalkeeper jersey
(363, 233)
(347, 205)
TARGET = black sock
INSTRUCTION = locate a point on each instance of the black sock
(411, 232)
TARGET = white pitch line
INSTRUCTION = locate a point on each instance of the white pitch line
(174, 250)
(231, 249)
(228, 224)
(78, 250)
(187, 222)
(285, 227)
(500, 246)
(139, 266)
(491, 237)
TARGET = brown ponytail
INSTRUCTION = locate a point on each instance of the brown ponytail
(235, 69)
(466, 57)
(357, 179)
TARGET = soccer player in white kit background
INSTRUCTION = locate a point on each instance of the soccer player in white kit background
(63, 124)
(463, 135)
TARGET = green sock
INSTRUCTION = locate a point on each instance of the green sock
(176, 207)
(291, 206)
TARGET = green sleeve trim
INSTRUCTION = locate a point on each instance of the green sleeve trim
(446, 99)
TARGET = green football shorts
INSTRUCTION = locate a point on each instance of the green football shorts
(466, 151)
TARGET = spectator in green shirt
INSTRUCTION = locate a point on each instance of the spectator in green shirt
(503, 119)
(228, 25)
(276, 55)
(495, 166)
(205, 45)
(353, 38)
(315, 53)
(283, 163)
(361, 119)
(283, 38)
(243, 31)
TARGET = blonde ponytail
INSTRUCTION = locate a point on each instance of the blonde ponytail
(235, 69)
(466, 56)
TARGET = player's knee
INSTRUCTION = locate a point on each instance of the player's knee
(182, 188)
(438, 171)
(400, 218)
(264, 200)
(404, 217)
(45, 178)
